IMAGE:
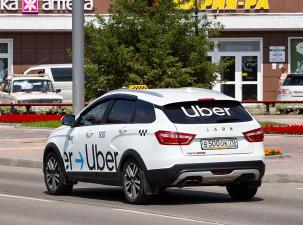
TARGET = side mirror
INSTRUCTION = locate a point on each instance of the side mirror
(68, 120)
(58, 90)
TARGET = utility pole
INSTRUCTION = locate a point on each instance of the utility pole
(196, 18)
(78, 55)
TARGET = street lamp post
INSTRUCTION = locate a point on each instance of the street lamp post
(78, 55)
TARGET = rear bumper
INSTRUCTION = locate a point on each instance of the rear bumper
(206, 173)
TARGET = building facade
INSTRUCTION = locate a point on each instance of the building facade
(259, 37)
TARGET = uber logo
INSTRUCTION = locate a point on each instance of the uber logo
(197, 111)
(100, 161)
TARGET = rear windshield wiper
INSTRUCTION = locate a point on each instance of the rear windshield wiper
(223, 120)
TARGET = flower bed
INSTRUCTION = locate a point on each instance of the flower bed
(22, 118)
(291, 129)
(272, 151)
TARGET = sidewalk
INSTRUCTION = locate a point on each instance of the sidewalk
(23, 147)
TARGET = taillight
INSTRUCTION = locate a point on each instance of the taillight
(254, 135)
(284, 91)
(174, 138)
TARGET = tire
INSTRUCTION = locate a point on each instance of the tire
(133, 182)
(242, 191)
(54, 176)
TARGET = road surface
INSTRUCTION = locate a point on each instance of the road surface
(24, 202)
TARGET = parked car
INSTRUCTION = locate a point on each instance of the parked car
(292, 88)
(146, 141)
(29, 89)
(60, 75)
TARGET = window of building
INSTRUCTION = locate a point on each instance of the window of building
(296, 55)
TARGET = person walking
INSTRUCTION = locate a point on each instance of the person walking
(283, 76)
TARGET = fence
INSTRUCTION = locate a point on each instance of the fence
(29, 105)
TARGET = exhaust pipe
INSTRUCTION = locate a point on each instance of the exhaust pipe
(191, 181)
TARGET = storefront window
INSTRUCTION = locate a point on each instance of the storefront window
(296, 55)
(229, 90)
(249, 68)
(240, 46)
(3, 68)
(3, 48)
(230, 71)
(249, 92)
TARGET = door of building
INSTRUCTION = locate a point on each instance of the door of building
(6, 59)
(241, 76)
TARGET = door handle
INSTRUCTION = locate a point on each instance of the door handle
(70, 137)
(123, 130)
(89, 133)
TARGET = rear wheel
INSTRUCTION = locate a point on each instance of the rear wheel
(54, 176)
(133, 182)
(242, 191)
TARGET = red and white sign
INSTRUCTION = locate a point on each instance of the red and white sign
(30, 6)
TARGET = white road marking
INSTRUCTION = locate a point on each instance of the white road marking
(299, 188)
(26, 198)
(168, 217)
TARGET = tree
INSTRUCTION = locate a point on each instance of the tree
(150, 42)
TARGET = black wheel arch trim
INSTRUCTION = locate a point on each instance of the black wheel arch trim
(131, 153)
(51, 147)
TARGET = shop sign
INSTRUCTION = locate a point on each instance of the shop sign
(296, 55)
(226, 4)
(277, 54)
(32, 6)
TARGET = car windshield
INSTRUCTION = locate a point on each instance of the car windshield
(293, 80)
(32, 85)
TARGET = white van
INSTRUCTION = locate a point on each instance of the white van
(61, 76)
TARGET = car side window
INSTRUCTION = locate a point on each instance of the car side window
(94, 116)
(145, 112)
(62, 74)
(122, 112)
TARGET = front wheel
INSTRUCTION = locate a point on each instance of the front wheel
(242, 191)
(133, 182)
(54, 176)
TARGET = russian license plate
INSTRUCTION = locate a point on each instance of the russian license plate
(218, 144)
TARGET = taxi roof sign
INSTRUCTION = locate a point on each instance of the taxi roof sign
(138, 87)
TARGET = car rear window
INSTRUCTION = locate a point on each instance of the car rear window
(207, 112)
(293, 80)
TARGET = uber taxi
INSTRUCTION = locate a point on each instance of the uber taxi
(148, 140)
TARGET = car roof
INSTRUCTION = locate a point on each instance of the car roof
(29, 78)
(171, 95)
(43, 66)
(296, 74)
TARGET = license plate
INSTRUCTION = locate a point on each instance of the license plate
(218, 144)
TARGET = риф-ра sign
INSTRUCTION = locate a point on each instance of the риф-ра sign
(47, 5)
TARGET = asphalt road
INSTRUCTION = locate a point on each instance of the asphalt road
(23, 201)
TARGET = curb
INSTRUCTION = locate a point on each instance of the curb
(268, 178)
(20, 163)
(283, 178)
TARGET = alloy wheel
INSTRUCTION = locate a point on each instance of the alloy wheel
(52, 174)
(132, 181)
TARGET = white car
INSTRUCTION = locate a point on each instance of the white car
(148, 140)
(292, 88)
(61, 76)
(29, 89)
